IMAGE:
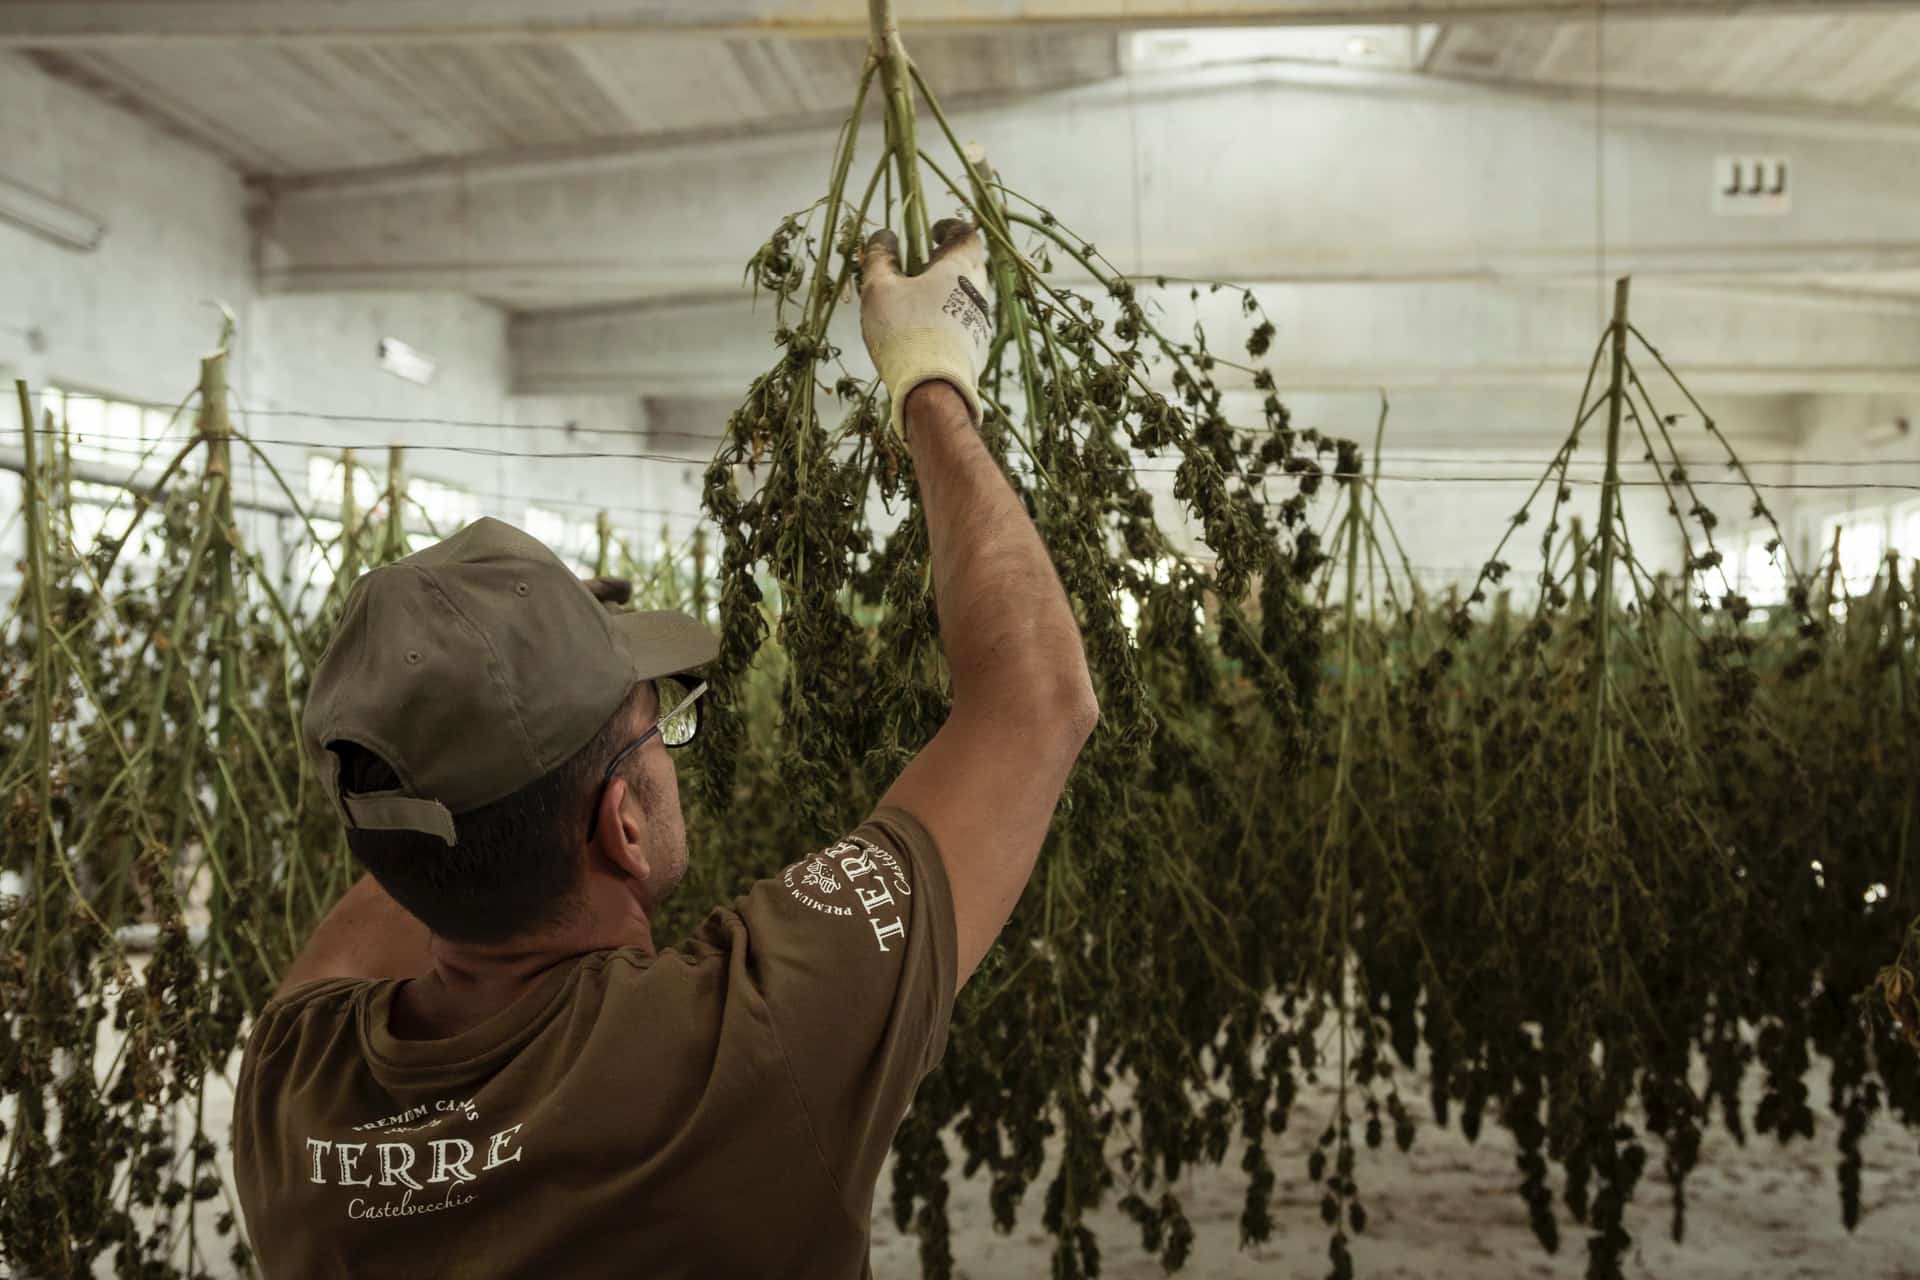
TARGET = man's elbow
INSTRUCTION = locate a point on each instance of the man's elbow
(1061, 691)
(1040, 702)
(1073, 712)
(1082, 711)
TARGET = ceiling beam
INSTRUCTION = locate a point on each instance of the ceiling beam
(1273, 174)
(1137, 90)
(51, 23)
(1330, 338)
(159, 104)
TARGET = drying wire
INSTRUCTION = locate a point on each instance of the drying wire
(506, 499)
(707, 437)
(334, 446)
(1385, 476)
(1600, 157)
(1441, 572)
(1428, 459)
(375, 419)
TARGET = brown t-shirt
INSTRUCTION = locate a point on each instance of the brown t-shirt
(719, 1109)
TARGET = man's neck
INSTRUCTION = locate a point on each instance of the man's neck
(470, 982)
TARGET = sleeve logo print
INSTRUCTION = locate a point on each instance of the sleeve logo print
(819, 875)
(816, 873)
(877, 878)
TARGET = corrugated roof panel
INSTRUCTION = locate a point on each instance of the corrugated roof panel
(285, 109)
(1866, 60)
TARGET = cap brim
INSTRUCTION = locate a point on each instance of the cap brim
(664, 643)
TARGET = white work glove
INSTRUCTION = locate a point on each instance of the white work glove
(936, 325)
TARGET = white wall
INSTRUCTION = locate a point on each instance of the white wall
(132, 318)
(1855, 463)
(1449, 515)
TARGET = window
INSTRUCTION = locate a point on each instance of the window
(101, 429)
(326, 483)
(1859, 540)
(570, 538)
(1761, 572)
(433, 509)
(307, 570)
(100, 511)
(1906, 530)
(117, 436)
(445, 510)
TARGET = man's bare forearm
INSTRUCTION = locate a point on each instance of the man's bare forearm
(1009, 634)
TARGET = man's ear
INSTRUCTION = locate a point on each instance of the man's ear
(618, 838)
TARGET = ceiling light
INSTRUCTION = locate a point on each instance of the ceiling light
(1226, 46)
(402, 361)
(44, 216)
(1889, 431)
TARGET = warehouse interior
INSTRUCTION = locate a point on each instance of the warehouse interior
(501, 248)
(553, 208)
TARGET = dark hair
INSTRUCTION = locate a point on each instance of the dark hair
(517, 865)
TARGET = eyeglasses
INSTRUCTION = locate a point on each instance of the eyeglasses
(677, 727)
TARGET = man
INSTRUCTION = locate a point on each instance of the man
(481, 1065)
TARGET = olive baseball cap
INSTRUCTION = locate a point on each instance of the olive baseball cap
(474, 668)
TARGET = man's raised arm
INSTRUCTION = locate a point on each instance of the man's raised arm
(987, 785)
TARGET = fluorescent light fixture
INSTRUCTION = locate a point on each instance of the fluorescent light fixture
(1889, 431)
(402, 361)
(49, 218)
(1373, 46)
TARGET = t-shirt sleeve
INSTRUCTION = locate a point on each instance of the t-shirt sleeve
(265, 1065)
(854, 954)
(277, 1025)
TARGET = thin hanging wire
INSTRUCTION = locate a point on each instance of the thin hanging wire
(1601, 293)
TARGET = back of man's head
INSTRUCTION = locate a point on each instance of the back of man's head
(518, 865)
(463, 716)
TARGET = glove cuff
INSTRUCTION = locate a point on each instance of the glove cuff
(929, 355)
(953, 378)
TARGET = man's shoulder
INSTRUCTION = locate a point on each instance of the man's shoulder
(841, 878)
(319, 993)
(327, 999)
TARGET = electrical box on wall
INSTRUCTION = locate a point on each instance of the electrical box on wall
(1752, 186)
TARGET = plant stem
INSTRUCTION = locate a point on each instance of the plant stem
(891, 55)
(349, 531)
(396, 545)
(42, 749)
(1609, 502)
(700, 575)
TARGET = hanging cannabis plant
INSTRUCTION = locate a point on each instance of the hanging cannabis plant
(1120, 965)
(1588, 852)
(175, 852)
(1639, 825)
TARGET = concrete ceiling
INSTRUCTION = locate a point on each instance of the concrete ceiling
(43, 23)
(288, 89)
(287, 109)
(1862, 60)
(1367, 163)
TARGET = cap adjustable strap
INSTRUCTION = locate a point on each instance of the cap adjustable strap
(330, 762)
(391, 811)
